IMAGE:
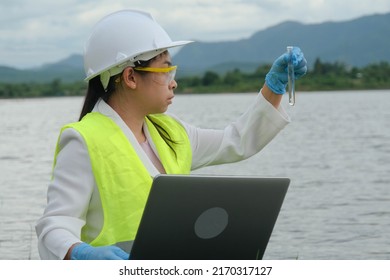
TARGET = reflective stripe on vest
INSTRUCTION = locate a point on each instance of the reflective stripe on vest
(122, 179)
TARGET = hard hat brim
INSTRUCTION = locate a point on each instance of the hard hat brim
(144, 56)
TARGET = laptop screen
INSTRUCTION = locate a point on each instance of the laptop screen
(194, 217)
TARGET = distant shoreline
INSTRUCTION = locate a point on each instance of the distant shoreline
(299, 92)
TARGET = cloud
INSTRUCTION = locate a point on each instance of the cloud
(36, 32)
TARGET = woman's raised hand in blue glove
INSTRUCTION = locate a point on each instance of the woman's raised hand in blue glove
(83, 251)
(277, 77)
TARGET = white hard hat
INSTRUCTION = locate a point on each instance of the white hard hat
(122, 38)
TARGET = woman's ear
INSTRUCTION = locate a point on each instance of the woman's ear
(129, 78)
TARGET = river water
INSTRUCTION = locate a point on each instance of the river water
(336, 152)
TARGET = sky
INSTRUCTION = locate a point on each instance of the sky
(36, 32)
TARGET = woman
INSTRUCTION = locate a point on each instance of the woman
(104, 164)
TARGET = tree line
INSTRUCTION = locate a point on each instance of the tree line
(323, 76)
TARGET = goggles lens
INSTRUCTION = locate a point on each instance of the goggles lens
(162, 76)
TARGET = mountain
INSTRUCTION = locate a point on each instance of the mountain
(67, 70)
(356, 43)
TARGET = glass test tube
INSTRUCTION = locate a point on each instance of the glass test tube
(291, 78)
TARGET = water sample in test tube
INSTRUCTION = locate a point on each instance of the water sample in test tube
(291, 78)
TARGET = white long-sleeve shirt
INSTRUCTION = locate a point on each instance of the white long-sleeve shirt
(73, 198)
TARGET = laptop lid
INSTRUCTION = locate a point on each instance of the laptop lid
(194, 217)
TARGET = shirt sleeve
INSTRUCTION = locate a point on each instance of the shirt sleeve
(239, 140)
(68, 197)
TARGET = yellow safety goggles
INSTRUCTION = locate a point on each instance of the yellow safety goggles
(168, 73)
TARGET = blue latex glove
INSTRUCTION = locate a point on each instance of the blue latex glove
(83, 251)
(277, 78)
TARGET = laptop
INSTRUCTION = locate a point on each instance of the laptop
(197, 217)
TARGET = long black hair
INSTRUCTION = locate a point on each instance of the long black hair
(94, 92)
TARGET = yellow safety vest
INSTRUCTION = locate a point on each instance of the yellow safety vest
(122, 179)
